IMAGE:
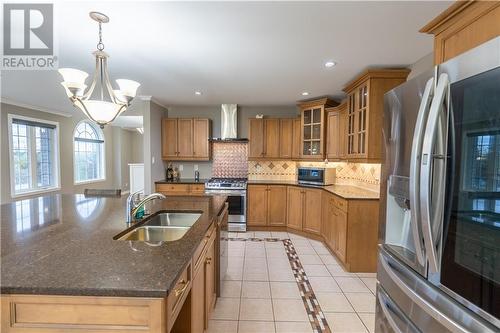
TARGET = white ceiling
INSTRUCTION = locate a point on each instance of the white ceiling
(258, 53)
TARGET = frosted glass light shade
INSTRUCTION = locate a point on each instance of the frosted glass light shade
(73, 89)
(128, 87)
(101, 111)
(72, 75)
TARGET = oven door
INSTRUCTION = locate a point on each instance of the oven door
(237, 207)
(469, 246)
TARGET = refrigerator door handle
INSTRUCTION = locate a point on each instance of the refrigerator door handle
(385, 304)
(416, 152)
(418, 299)
(432, 223)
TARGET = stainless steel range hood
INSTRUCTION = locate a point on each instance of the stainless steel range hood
(229, 124)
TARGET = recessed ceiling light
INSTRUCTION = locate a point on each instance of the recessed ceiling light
(330, 64)
(305, 93)
(197, 93)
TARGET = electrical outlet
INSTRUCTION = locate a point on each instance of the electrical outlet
(196, 167)
(181, 167)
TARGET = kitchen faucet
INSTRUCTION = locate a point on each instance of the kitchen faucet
(132, 208)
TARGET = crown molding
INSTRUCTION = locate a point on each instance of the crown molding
(37, 108)
(148, 98)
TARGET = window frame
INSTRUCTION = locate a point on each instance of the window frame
(32, 152)
(103, 162)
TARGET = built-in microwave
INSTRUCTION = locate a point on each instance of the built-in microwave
(316, 176)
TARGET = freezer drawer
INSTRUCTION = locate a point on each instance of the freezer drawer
(428, 308)
(389, 317)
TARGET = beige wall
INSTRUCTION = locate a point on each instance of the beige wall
(66, 128)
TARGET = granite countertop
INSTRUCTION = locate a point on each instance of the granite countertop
(182, 181)
(348, 192)
(63, 245)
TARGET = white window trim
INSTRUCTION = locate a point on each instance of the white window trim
(57, 159)
(91, 181)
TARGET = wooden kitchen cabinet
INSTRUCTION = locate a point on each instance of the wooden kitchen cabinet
(186, 139)
(312, 210)
(286, 138)
(313, 128)
(336, 132)
(198, 302)
(264, 138)
(365, 108)
(296, 137)
(180, 189)
(266, 205)
(463, 26)
(210, 281)
(257, 205)
(295, 208)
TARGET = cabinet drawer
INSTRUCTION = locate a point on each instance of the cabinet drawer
(198, 188)
(178, 294)
(183, 188)
(340, 203)
(200, 251)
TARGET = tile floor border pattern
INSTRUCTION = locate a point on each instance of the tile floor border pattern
(315, 314)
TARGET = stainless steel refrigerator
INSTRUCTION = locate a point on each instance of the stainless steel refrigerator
(439, 258)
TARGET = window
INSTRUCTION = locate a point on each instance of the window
(483, 162)
(34, 155)
(88, 153)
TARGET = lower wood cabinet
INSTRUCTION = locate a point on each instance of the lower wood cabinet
(295, 207)
(304, 209)
(266, 205)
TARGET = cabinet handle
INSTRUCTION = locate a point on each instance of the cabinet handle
(181, 290)
(208, 261)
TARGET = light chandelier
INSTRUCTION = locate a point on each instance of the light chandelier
(100, 108)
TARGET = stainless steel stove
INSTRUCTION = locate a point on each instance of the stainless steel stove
(236, 191)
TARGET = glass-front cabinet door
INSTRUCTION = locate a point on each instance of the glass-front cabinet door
(351, 116)
(470, 264)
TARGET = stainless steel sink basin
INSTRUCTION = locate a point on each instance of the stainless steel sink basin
(173, 219)
(155, 234)
(163, 227)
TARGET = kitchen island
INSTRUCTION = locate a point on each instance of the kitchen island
(61, 268)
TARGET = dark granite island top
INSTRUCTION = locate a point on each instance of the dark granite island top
(63, 245)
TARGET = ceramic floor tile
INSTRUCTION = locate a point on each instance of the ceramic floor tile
(255, 253)
(234, 274)
(256, 327)
(351, 284)
(280, 274)
(337, 270)
(276, 253)
(240, 252)
(345, 322)
(300, 241)
(362, 302)
(333, 302)
(231, 289)
(301, 250)
(288, 290)
(293, 327)
(262, 234)
(226, 309)
(370, 282)
(369, 275)
(255, 275)
(282, 262)
(274, 245)
(316, 270)
(255, 289)
(289, 310)
(279, 234)
(328, 259)
(256, 309)
(369, 320)
(222, 326)
(324, 283)
(310, 259)
(254, 245)
(316, 242)
(245, 235)
(321, 250)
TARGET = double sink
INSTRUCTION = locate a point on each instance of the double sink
(162, 227)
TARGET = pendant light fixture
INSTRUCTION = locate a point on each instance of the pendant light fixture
(103, 106)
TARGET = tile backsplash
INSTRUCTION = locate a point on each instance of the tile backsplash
(230, 160)
(366, 175)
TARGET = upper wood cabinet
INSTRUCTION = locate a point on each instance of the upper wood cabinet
(365, 108)
(296, 146)
(264, 138)
(463, 26)
(266, 205)
(186, 139)
(336, 132)
(313, 127)
(286, 138)
(272, 138)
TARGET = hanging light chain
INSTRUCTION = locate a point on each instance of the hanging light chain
(100, 45)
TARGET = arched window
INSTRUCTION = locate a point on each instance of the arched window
(88, 154)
